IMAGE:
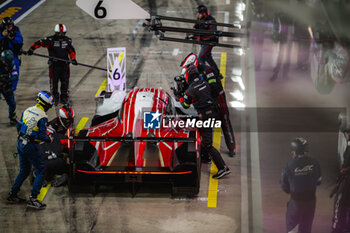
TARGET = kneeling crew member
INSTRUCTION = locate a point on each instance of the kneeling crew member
(55, 161)
(198, 94)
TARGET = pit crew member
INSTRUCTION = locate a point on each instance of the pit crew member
(59, 46)
(341, 213)
(205, 23)
(218, 94)
(12, 39)
(61, 127)
(31, 131)
(198, 94)
(300, 177)
(8, 76)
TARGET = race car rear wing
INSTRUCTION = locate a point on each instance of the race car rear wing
(131, 139)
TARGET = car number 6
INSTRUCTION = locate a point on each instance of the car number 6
(100, 12)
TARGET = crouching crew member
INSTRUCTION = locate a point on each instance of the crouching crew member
(31, 131)
(198, 94)
(61, 127)
(218, 94)
(59, 46)
(300, 177)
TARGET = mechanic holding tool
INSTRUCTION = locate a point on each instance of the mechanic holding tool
(300, 177)
(53, 152)
(341, 214)
(205, 23)
(198, 94)
(31, 131)
(218, 94)
(8, 76)
(12, 39)
(59, 46)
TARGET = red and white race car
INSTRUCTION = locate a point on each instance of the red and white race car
(136, 143)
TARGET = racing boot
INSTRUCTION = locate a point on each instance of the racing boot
(221, 173)
(34, 203)
(13, 198)
(231, 153)
(13, 120)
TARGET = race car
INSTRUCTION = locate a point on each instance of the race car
(136, 143)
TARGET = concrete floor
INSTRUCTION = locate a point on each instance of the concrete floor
(249, 199)
(112, 210)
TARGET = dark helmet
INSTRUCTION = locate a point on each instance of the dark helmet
(7, 21)
(190, 73)
(66, 116)
(202, 9)
(300, 146)
(7, 57)
(45, 99)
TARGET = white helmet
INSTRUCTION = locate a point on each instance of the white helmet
(60, 28)
(45, 99)
(190, 59)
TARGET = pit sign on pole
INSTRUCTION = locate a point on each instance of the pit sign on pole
(116, 69)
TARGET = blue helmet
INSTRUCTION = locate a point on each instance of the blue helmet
(45, 99)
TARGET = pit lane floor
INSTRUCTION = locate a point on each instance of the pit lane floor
(149, 63)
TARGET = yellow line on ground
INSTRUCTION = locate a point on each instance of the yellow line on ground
(213, 183)
(43, 192)
(102, 87)
(81, 125)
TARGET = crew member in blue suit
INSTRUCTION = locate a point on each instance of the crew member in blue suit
(300, 177)
(31, 131)
(8, 76)
(11, 38)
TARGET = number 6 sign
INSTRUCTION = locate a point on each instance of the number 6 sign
(116, 69)
(112, 9)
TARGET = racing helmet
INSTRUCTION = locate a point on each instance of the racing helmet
(7, 21)
(45, 99)
(202, 9)
(60, 29)
(190, 73)
(189, 60)
(7, 57)
(299, 145)
(66, 116)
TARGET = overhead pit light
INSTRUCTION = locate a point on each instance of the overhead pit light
(237, 71)
(238, 51)
(238, 95)
(238, 79)
(237, 105)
